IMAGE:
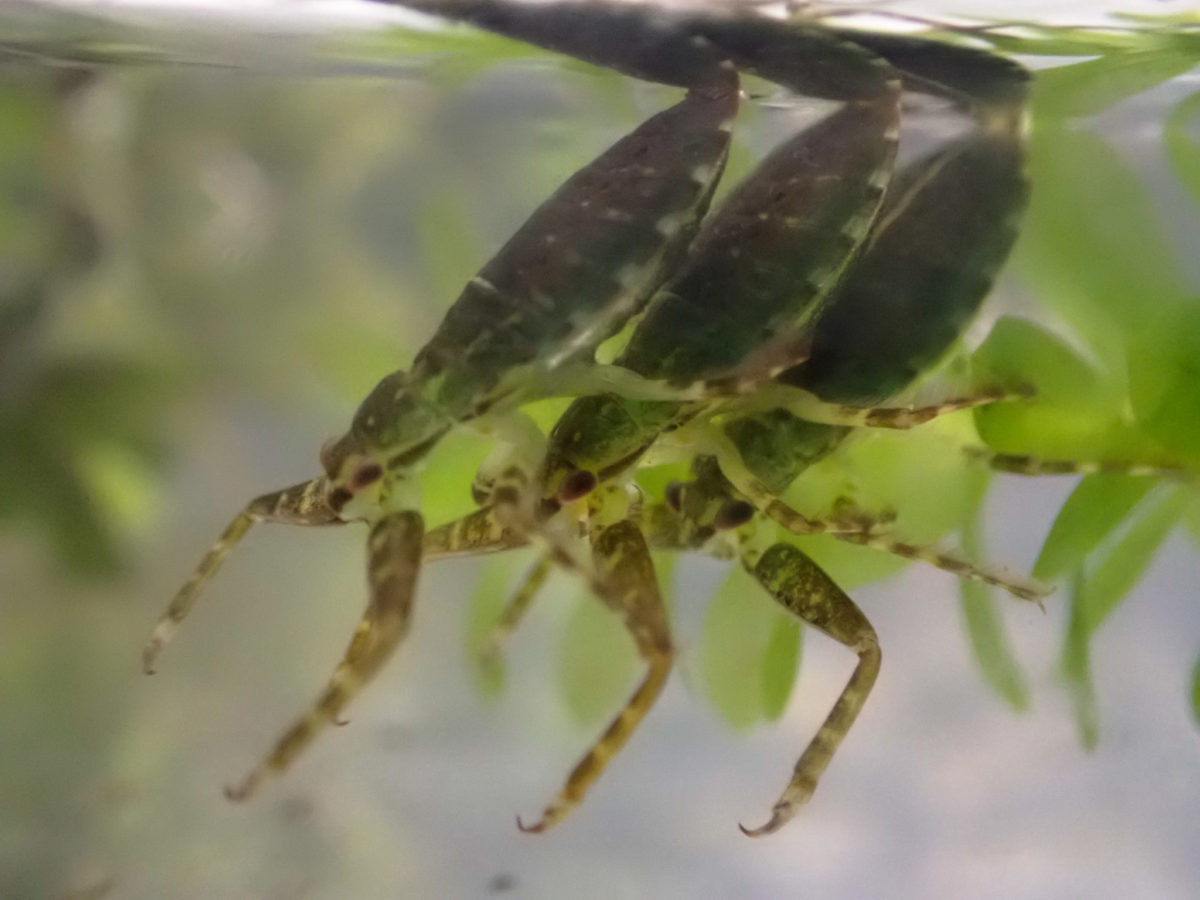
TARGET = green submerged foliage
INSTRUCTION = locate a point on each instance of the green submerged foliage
(114, 327)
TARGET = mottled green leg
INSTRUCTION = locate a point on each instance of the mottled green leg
(735, 470)
(860, 529)
(473, 535)
(630, 588)
(1020, 464)
(514, 611)
(393, 561)
(1018, 586)
(300, 504)
(809, 406)
(803, 589)
(776, 358)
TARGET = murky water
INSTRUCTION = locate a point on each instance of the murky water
(214, 241)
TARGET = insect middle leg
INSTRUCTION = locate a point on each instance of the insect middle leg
(629, 588)
(804, 590)
(622, 575)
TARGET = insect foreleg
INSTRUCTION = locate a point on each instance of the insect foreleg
(629, 587)
(1021, 464)
(393, 560)
(514, 611)
(300, 504)
(800, 586)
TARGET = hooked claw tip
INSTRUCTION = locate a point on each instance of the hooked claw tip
(150, 655)
(242, 791)
(755, 832)
(536, 828)
(773, 824)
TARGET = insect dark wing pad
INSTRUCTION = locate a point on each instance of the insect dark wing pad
(364, 475)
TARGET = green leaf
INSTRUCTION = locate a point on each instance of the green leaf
(1093, 244)
(1196, 692)
(780, 666)
(738, 629)
(1108, 582)
(448, 240)
(1096, 593)
(491, 594)
(993, 653)
(1165, 380)
(1088, 88)
(1191, 519)
(1077, 670)
(596, 662)
(1096, 507)
(1048, 40)
(1181, 146)
(1073, 409)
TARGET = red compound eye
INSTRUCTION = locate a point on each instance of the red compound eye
(365, 475)
(578, 484)
(673, 496)
(733, 514)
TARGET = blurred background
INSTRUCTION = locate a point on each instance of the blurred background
(216, 235)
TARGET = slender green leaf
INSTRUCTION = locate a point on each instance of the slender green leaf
(491, 593)
(1165, 380)
(737, 631)
(1196, 692)
(596, 662)
(448, 240)
(1108, 582)
(1077, 669)
(990, 645)
(1096, 507)
(1182, 146)
(1038, 40)
(1093, 244)
(1191, 519)
(1076, 411)
(1088, 88)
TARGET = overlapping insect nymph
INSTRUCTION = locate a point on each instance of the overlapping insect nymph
(760, 275)
(588, 259)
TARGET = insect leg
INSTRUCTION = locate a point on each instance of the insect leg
(629, 587)
(394, 558)
(1021, 464)
(797, 583)
(859, 530)
(514, 611)
(810, 407)
(300, 504)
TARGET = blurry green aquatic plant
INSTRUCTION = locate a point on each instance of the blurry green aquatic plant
(79, 443)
